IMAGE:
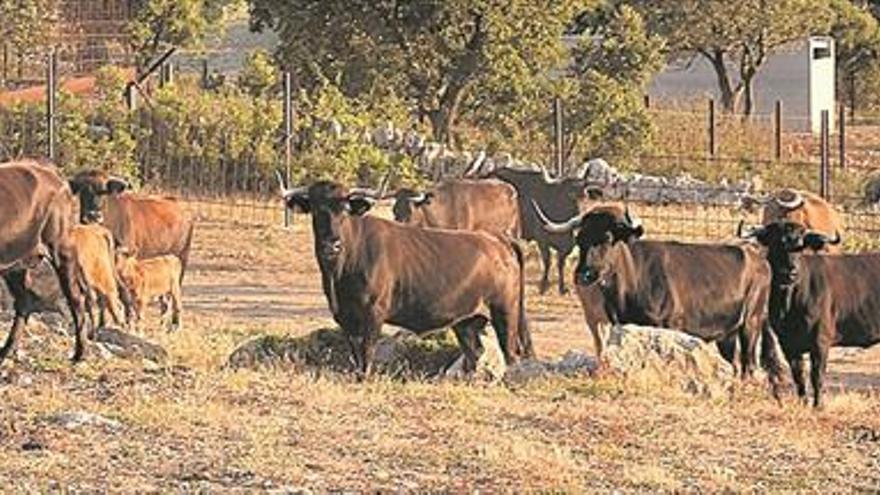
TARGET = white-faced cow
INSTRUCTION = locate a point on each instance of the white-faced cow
(489, 205)
(376, 271)
(559, 199)
(35, 220)
(709, 291)
(818, 301)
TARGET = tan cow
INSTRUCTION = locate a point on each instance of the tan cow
(154, 278)
(96, 256)
(801, 207)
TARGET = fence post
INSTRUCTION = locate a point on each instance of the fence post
(51, 89)
(288, 137)
(647, 101)
(777, 131)
(841, 131)
(824, 165)
(204, 73)
(852, 95)
(4, 79)
(557, 133)
(712, 144)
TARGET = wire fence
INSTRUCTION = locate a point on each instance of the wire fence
(702, 142)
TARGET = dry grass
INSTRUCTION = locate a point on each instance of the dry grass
(197, 426)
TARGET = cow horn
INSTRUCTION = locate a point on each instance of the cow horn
(287, 192)
(546, 173)
(825, 239)
(365, 192)
(383, 186)
(554, 227)
(475, 165)
(632, 221)
(796, 201)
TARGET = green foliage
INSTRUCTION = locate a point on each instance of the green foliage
(442, 57)
(27, 24)
(258, 76)
(857, 33)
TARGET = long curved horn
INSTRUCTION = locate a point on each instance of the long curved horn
(555, 227)
(281, 185)
(749, 233)
(383, 186)
(837, 239)
(365, 192)
(633, 221)
(546, 173)
(796, 202)
(417, 198)
(825, 239)
(287, 192)
(475, 165)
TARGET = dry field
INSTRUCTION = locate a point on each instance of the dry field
(196, 426)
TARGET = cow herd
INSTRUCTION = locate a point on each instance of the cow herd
(452, 257)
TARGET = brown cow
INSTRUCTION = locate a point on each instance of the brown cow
(36, 217)
(154, 278)
(489, 205)
(145, 225)
(97, 257)
(375, 271)
(801, 207)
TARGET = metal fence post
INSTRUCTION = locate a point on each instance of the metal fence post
(204, 73)
(647, 101)
(712, 144)
(557, 134)
(777, 131)
(841, 134)
(51, 89)
(288, 137)
(824, 165)
(4, 75)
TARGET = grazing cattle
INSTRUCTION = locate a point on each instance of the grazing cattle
(802, 207)
(818, 301)
(489, 205)
(35, 220)
(97, 257)
(376, 271)
(151, 279)
(558, 198)
(709, 291)
(145, 225)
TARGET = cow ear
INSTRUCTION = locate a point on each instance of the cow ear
(116, 186)
(624, 232)
(428, 197)
(298, 203)
(74, 186)
(358, 205)
(815, 241)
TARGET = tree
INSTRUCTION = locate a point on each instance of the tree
(157, 25)
(27, 25)
(857, 34)
(734, 37)
(442, 57)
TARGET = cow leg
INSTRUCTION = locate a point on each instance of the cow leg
(727, 348)
(796, 362)
(175, 307)
(545, 266)
(23, 302)
(502, 320)
(467, 332)
(560, 269)
(748, 341)
(818, 362)
(69, 277)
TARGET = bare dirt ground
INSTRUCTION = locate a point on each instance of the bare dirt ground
(198, 426)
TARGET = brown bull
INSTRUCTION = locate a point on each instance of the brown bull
(375, 271)
(709, 291)
(802, 207)
(97, 257)
(818, 301)
(35, 219)
(145, 226)
(489, 205)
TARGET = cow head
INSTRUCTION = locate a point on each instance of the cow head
(785, 242)
(330, 205)
(91, 186)
(408, 205)
(599, 231)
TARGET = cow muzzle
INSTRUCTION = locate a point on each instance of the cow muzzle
(331, 248)
(93, 216)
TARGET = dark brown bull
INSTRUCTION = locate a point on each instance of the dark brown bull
(375, 271)
(144, 226)
(559, 199)
(709, 291)
(489, 205)
(35, 220)
(818, 301)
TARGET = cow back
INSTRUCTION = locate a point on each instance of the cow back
(488, 205)
(148, 225)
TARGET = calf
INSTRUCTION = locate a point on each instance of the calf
(709, 291)
(818, 301)
(376, 271)
(96, 256)
(154, 278)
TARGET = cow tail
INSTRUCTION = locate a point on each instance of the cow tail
(184, 254)
(524, 335)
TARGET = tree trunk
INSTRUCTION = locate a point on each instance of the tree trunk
(729, 95)
(748, 92)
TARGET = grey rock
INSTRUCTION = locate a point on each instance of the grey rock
(73, 420)
(114, 342)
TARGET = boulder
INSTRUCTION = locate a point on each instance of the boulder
(74, 420)
(114, 342)
(490, 364)
(653, 357)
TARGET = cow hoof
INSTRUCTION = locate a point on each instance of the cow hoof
(563, 291)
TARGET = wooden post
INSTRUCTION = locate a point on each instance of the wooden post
(852, 95)
(288, 138)
(712, 144)
(51, 89)
(824, 165)
(777, 131)
(841, 135)
(4, 76)
(557, 133)
(204, 73)
(647, 101)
